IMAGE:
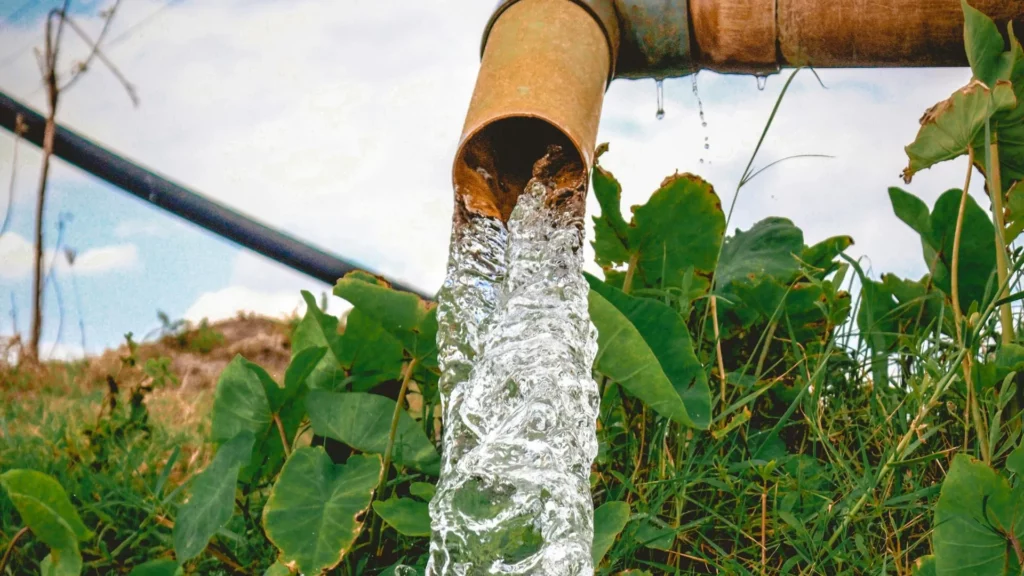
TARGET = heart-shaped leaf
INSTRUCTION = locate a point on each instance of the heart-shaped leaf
(407, 516)
(769, 248)
(212, 502)
(363, 421)
(316, 509)
(644, 346)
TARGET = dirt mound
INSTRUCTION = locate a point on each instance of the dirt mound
(199, 353)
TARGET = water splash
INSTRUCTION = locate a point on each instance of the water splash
(660, 87)
(516, 347)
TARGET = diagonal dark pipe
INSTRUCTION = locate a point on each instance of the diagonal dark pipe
(178, 200)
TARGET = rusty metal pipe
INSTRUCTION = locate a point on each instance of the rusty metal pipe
(547, 63)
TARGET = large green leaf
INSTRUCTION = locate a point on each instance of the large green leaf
(767, 249)
(363, 421)
(924, 566)
(1008, 125)
(975, 517)
(609, 519)
(911, 210)
(248, 399)
(678, 229)
(644, 345)
(320, 330)
(407, 516)
(240, 403)
(412, 320)
(44, 507)
(977, 247)
(316, 509)
(984, 45)
(371, 354)
(953, 125)
(212, 502)
(163, 567)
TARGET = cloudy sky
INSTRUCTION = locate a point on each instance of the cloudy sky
(337, 122)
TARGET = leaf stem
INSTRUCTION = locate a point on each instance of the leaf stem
(972, 400)
(10, 548)
(284, 437)
(627, 282)
(394, 420)
(1002, 267)
(718, 345)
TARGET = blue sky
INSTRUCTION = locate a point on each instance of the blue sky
(337, 122)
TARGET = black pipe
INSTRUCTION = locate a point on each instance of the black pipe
(178, 200)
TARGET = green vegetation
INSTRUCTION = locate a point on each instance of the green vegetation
(755, 418)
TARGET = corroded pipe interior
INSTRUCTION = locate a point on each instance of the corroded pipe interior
(542, 80)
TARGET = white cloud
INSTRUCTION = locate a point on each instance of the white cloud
(17, 258)
(106, 259)
(228, 302)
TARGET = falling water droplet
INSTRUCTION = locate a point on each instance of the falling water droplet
(706, 146)
(660, 84)
(762, 81)
(701, 160)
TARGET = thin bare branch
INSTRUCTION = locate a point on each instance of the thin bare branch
(83, 66)
(103, 58)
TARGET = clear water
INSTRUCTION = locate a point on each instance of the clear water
(516, 347)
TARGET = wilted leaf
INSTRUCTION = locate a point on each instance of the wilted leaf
(609, 519)
(363, 421)
(316, 509)
(951, 126)
(212, 502)
(644, 346)
(407, 516)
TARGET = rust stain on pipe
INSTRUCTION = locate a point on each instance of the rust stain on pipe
(862, 33)
(542, 79)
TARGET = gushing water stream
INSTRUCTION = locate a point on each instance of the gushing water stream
(516, 347)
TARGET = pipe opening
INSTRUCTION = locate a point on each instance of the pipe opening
(495, 164)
